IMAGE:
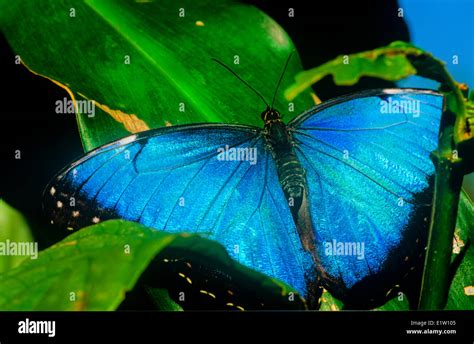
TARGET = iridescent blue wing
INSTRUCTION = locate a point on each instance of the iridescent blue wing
(368, 168)
(179, 179)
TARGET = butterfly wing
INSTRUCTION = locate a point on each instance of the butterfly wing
(180, 180)
(369, 171)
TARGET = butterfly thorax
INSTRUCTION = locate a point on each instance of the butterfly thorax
(275, 129)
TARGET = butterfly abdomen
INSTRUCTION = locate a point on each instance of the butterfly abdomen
(291, 173)
(291, 177)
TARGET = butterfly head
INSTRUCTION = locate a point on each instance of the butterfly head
(270, 116)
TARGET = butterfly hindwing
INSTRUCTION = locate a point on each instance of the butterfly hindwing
(369, 173)
(187, 180)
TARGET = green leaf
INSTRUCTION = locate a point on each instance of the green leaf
(398, 303)
(83, 45)
(89, 270)
(13, 230)
(329, 302)
(93, 268)
(162, 300)
(461, 292)
(389, 63)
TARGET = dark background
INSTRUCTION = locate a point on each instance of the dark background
(48, 141)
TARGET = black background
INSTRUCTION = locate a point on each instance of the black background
(239, 327)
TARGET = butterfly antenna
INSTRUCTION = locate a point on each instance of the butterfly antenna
(281, 77)
(238, 77)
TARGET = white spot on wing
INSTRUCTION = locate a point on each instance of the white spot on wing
(128, 139)
(391, 91)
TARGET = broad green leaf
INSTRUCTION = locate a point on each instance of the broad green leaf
(93, 268)
(147, 64)
(389, 63)
(461, 292)
(89, 270)
(14, 232)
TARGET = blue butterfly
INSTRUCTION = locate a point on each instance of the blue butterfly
(341, 193)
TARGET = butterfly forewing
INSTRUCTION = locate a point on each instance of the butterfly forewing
(219, 181)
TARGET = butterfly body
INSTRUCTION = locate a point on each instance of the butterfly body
(342, 189)
(291, 173)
